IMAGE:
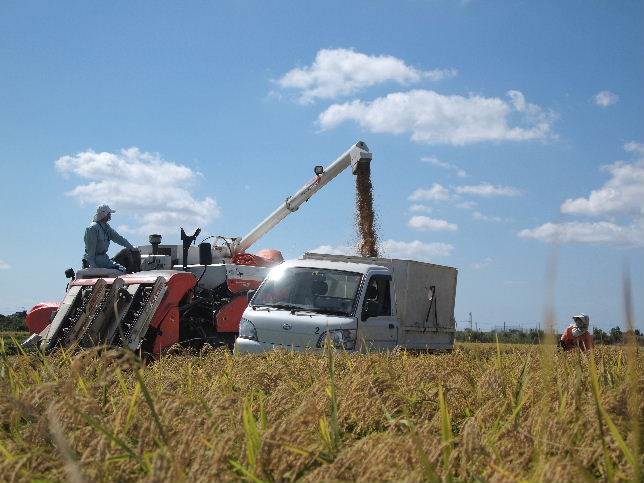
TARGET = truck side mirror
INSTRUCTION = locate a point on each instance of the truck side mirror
(371, 309)
(250, 294)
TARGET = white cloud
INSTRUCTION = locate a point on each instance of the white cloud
(415, 250)
(433, 118)
(633, 147)
(155, 192)
(436, 193)
(466, 205)
(483, 263)
(420, 209)
(335, 250)
(518, 100)
(4, 265)
(621, 196)
(434, 161)
(488, 190)
(601, 232)
(477, 215)
(341, 72)
(605, 98)
(425, 223)
(623, 193)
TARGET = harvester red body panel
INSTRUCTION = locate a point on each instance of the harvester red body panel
(229, 315)
(40, 316)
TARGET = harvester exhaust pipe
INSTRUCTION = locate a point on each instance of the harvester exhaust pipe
(355, 156)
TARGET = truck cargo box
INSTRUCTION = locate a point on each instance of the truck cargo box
(425, 298)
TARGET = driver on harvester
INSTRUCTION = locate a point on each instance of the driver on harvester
(97, 240)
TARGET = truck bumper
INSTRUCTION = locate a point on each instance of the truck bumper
(250, 346)
(243, 346)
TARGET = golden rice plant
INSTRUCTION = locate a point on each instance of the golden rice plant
(485, 412)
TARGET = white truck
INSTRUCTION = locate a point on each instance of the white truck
(359, 304)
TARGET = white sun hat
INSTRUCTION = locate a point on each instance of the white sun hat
(582, 321)
(102, 211)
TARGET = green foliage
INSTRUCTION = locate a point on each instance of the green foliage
(13, 323)
(537, 336)
(616, 335)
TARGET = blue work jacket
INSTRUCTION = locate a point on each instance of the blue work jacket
(97, 241)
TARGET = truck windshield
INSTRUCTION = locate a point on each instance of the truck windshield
(311, 289)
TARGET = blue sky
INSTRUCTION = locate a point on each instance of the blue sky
(503, 133)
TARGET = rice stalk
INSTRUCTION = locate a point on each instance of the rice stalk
(150, 403)
(634, 388)
(253, 436)
(116, 440)
(74, 474)
(446, 427)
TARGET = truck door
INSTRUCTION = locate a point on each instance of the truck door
(378, 327)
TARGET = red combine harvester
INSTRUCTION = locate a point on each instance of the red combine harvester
(175, 293)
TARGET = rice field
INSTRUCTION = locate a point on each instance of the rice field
(485, 412)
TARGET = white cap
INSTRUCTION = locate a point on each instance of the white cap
(581, 319)
(102, 211)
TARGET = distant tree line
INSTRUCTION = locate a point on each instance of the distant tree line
(14, 322)
(535, 336)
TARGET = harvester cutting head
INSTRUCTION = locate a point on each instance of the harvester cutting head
(137, 311)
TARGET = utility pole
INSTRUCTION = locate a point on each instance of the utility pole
(470, 320)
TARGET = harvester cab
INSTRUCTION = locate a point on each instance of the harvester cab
(188, 293)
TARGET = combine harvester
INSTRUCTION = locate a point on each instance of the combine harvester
(177, 293)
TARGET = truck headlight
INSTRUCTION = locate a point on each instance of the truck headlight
(341, 339)
(247, 329)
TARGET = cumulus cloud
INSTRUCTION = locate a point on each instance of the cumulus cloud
(633, 147)
(483, 263)
(436, 193)
(602, 232)
(420, 208)
(425, 223)
(414, 250)
(622, 193)
(341, 72)
(153, 191)
(605, 98)
(518, 100)
(622, 196)
(466, 205)
(4, 265)
(336, 250)
(477, 215)
(433, 118)
(434, 161)
(488, 190)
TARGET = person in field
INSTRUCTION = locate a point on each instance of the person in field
(97, 240)
(577, 335)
